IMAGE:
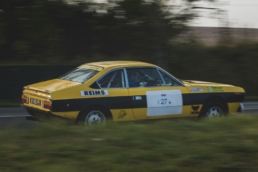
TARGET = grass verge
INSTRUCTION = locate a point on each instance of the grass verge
(9, 104)
(228, 144)
(251, 98)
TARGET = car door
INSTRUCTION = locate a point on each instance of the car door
(155, 97)
(115, 94)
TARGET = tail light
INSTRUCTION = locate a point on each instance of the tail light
(25, 99)
(47, 104)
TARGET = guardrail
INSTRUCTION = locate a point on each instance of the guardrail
(250, 105)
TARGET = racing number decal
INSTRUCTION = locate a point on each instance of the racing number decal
(166, 102)
(163, 101)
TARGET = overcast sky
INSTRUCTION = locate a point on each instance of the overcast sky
(238, 13)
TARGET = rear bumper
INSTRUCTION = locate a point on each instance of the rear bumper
(241, 108)
(36, 113)
(41, 115)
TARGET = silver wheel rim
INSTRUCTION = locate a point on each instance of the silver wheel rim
(214, 112)
(95, 118)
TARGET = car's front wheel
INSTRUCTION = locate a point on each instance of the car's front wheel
(214, 110)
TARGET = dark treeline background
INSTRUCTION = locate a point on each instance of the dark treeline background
(55, 32)
(51, 30)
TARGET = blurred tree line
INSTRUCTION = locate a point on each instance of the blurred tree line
(52, 31)
(74, 32)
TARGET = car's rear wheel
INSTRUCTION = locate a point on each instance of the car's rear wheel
(94, 117)
(214, 110)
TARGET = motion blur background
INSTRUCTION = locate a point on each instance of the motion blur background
(212, 40)
(192, 39)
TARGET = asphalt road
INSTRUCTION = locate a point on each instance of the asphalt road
(17, 117)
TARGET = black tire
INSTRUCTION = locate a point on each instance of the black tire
(213, 110)
(93, 117)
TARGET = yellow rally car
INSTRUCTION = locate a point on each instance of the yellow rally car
(126, 90)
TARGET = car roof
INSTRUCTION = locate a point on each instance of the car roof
(108, 64)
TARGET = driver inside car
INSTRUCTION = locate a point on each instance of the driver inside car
(133, 79)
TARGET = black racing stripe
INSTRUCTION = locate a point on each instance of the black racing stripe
(122, 102)
(200, 98)
(127, 102)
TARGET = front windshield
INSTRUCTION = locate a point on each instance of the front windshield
(80, 75)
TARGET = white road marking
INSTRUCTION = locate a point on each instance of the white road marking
(14, 116)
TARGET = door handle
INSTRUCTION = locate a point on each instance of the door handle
(137, 97)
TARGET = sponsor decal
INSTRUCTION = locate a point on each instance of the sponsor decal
(122, 114)
(215, 89)
(195, 109)
(94, 93)
(196, 90)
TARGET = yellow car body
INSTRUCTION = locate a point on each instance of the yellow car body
(106, 87)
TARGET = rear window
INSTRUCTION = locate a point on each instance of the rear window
(80, 75)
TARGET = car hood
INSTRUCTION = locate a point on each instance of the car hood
(204, 84)
(52, 85)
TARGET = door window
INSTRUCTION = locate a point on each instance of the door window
(144, 77)
(168, 80)
(113, 79)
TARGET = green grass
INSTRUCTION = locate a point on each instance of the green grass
(251, 98)
(226, 144)
(9, 104)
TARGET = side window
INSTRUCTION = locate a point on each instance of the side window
(114, 79)
(168, 80)
(143, 77)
